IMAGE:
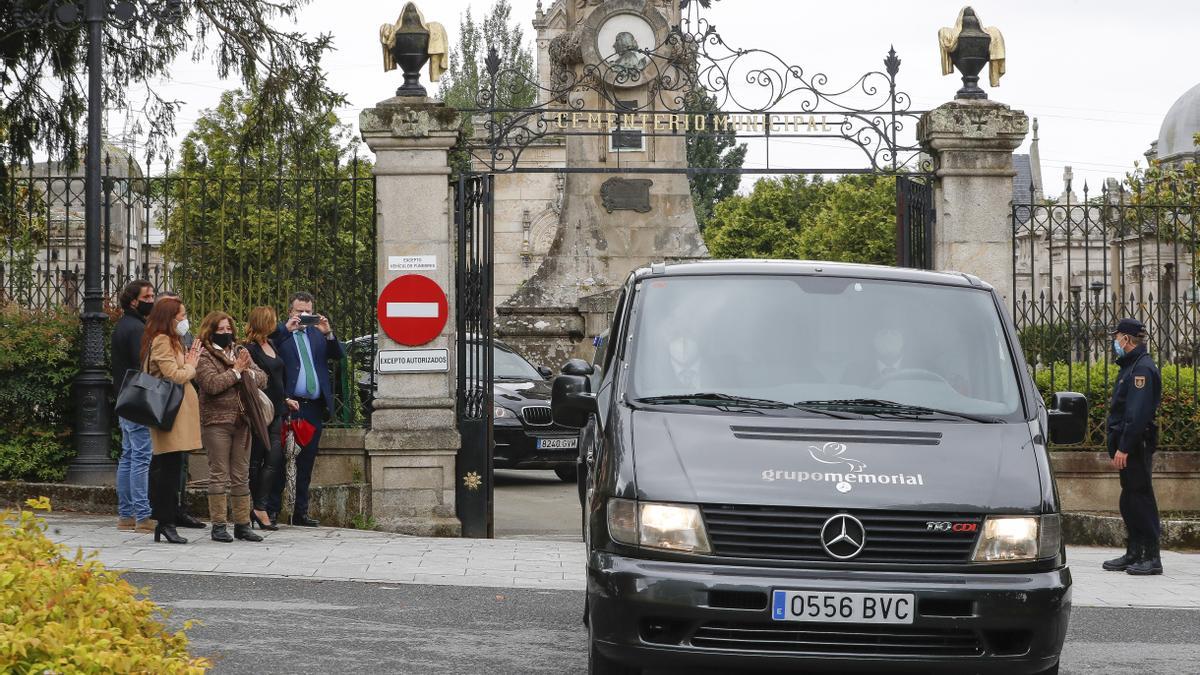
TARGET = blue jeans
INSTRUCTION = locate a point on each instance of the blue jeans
(133, 471)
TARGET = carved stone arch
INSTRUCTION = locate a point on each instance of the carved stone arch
(543, 228)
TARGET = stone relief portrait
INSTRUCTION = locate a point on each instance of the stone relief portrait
(621, 41)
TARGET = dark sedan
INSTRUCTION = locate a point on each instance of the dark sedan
(525, 433)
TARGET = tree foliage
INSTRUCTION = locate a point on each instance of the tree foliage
(43, 90)
(244, 230)
(467, 76)
(711, 150)
(851, 219)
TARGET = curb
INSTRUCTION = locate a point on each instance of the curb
(1095, 529)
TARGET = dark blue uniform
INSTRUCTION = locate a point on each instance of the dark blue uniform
(1132, 429)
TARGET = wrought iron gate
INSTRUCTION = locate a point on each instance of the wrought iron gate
(473, 296)
(914, 222)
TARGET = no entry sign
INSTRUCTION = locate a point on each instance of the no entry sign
(412, 310)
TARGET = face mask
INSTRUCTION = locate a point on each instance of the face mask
(1118, 348)
(222, 340)
(182, 327)
(144, 308)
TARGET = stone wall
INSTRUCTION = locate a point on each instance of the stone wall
(1087, 481)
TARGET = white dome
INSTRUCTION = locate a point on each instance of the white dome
(1179, 126)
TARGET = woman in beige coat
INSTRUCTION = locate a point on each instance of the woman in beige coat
(164, 356)
(225, 423)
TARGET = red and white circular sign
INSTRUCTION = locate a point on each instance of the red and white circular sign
(413, 310)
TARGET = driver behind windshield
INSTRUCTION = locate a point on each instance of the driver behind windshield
(886, 358)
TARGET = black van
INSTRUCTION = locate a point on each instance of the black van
(804, 465)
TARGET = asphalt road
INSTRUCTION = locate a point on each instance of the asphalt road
(536, 503)
(261, 626)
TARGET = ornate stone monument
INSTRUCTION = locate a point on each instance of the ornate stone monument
(610, 222)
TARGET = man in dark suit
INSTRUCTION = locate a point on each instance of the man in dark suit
(306, 344)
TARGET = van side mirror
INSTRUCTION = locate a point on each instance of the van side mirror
(571, 399)
(544, 372)
(1068, 418)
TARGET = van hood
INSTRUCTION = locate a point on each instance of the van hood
(862, 463)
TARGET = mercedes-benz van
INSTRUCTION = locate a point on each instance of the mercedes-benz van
(818, 467)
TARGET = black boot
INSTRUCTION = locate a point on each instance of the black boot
(304, 521)
(244, 533)
(185, 519)
(1132, 553)
(168, 531)
(219, 533)
(1149, 563)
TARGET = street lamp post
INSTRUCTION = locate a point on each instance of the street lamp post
(92, 415)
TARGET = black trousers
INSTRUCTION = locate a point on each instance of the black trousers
(164, 486)
(1139, 508)
(266, 465)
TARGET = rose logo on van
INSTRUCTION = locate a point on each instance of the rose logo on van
(831, 453)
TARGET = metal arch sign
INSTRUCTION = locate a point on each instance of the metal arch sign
(412, 310)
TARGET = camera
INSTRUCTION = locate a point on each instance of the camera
(309, 319)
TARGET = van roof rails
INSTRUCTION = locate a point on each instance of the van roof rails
(658, 268)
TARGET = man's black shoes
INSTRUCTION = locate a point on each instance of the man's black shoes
(305, 521)
(1149, 563)
(1132, 554)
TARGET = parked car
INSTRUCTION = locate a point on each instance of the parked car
(524, 431)
(818, 467)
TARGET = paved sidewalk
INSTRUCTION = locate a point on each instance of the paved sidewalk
(353, 555)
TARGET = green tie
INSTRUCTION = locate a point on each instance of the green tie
(310, 373)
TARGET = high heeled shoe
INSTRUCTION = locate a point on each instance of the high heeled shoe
(169, 532)
(255, 521)
(244, 533)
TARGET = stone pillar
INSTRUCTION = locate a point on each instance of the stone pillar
(413, 441)
(971, 143)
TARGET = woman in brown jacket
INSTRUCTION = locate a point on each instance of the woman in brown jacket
(164, 356)
(225, 423)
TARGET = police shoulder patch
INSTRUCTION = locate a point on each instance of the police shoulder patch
(1139, 381)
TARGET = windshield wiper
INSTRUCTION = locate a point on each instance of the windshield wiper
(880, 406)
(719, 400)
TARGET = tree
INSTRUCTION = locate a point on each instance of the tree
(44, 96)
(851, 219)
(711, 150)
(246, 229)
(467, 76)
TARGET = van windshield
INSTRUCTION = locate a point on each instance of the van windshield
(873, 347)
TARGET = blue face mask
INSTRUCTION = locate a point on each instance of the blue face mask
(1118, 348)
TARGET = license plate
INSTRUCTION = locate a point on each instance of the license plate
(832, 607)
(557, 443)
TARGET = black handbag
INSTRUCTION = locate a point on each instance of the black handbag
(148, 400)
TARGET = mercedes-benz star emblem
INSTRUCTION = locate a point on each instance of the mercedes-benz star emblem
(843, 536)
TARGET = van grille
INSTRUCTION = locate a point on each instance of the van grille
(537, 415)
(794, 533)
(817, 638)
(814, 435)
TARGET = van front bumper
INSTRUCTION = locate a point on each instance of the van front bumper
(670, 614)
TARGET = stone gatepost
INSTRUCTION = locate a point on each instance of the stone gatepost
(413, 441)
(971, 143)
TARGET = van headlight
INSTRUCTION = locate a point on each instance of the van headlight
(1017, 538)
(668, 527)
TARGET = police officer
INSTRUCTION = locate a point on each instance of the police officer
(1132, 439)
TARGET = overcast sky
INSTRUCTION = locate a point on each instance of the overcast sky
(1099, 74)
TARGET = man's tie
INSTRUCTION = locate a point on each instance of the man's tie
(310, 373)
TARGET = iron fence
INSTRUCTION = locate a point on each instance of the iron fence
(221, 239)
(1079, 265)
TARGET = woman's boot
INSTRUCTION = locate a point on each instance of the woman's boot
(217, 506)
(241, 519)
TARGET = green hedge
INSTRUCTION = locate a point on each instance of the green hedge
(38, 360)
(1178, 418)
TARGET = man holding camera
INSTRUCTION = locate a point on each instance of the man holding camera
(306, 344)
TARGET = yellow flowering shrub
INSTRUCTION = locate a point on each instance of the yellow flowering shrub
(68, 614)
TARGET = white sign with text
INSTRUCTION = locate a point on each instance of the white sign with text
(412, 263)
(413, 361)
